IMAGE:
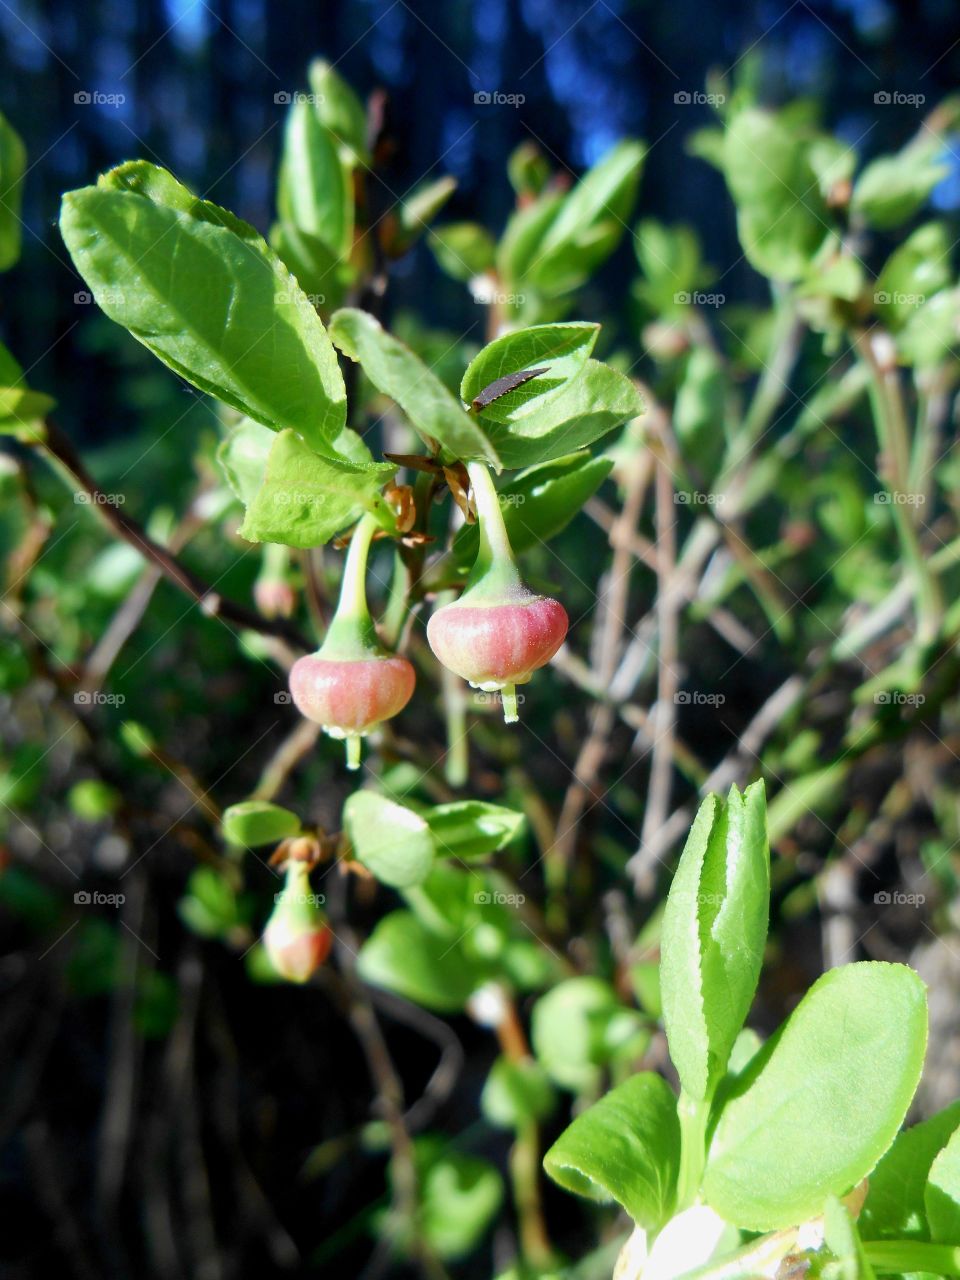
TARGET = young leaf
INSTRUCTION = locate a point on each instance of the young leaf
(892, 189)
(252, 823)
(460, 1196)
(842, 1239)
(13, 159)
(219, 309)
(523, 234)
(462, 249)
(823, 1100)
(563, 348)
(391, 841)
(339, 108)
(589, 407)
(714, 930)
(404, 956)
(942, 1196)
(469, 829)
(243, 457)
(577, 1028)
(417, 210)
(314, 191)
(320, 272)
(915, 271)
(517, 1092)
(305, 498)
(399, 374)
(626, 1148)
(781, 216)
(895, 1207)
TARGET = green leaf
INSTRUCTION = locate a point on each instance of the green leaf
(589, 407)
(209, 906)
(914, 272)
(417, 210)
(252, 823)
(314, 190)
(404, 956)
(714, 930)
(339, 108)
(516, 1092)
(321, 274)
(931, 332)
(463, 249)
(590, 222)
(577, 1028)
(892, 189)
(460, 1196)
(563, 348)
(626, 1148)
(13, 161)
(895, 1205)
(306, 499)
(219, 309)
(842, 1239)
(942, 1196)
(19, 406)
(527, 169)
(829, 1091)
(468, 829)
(399, 374)
(243, 457)
(160, 187)
(391, 841)
(781, 216)
(523, 234)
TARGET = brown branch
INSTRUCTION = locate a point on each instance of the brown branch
(60, 449)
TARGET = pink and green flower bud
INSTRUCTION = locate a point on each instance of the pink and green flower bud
(352, 684)
(499, 632)
(297, 938)
(272, 592)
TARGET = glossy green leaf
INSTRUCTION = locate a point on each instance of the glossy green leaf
(472, 828)
(390, 840)
(218, 308)
(404, 956)
(314, 190)
(895, 1204)
(305, 498)
(942, 1196)
(589, 407)
(320, 272)
(398, 373)
(829, 1090)
(781, 216)
(714, 931)
(562, 349)
(462, 249)
(252, 823)
(13, 160)
(516, 1092)
(522, 237)
(626, 1148)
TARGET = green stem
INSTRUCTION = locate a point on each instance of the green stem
(353, 588)
(495, 567)
(896, 1256)
(693, 1115)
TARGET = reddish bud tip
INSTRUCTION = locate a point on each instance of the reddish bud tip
(497, 645)
(348, 698)
(296, 956)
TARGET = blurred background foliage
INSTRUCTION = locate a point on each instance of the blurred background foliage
(163, 1114)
